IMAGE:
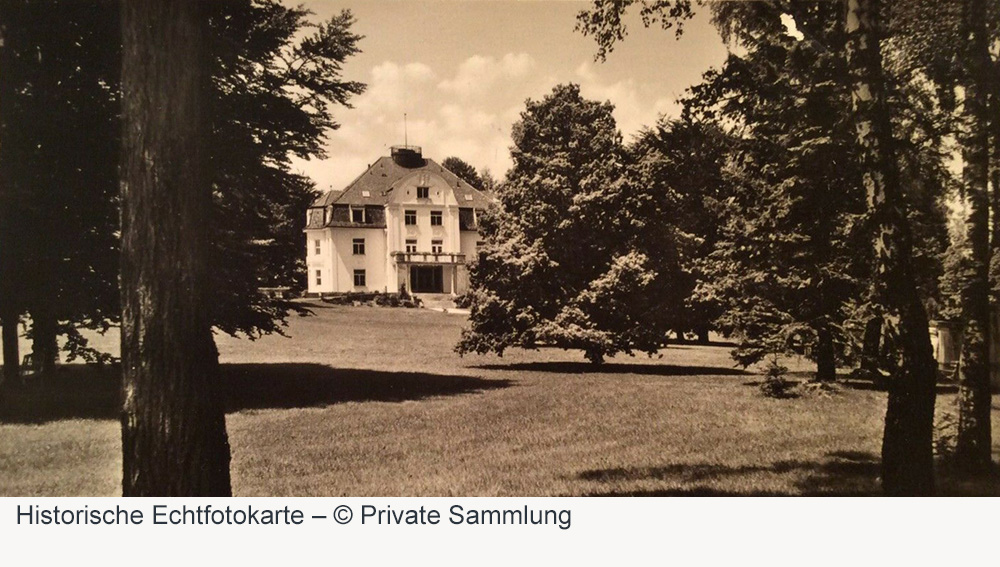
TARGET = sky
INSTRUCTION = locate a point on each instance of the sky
(461, 71)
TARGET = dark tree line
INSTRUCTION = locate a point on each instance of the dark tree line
(274, 80)
(872, 88)
(201, 104)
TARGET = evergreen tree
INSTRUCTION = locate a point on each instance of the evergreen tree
(907, 462)
(275, 81)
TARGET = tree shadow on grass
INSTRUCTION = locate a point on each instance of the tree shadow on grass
(296, 385)
(615, 368)
(84, 392)
(841, 473)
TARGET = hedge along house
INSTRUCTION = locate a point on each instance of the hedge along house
(406, 222)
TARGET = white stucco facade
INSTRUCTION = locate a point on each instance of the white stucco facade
(418, 230)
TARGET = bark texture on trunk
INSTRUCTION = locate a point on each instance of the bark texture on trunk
(9, 310)
(907, 452)
(44, 344)
(11, 354)
(174, 439)
(702, 332)
(973, 443)
(871, 353)
(826, 358)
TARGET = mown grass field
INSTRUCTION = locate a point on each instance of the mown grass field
(366, 401)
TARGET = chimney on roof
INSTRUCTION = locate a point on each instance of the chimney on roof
(407, 156)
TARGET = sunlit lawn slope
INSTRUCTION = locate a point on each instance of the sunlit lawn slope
(368, 401)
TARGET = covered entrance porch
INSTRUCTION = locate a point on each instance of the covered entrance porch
(427, 279)
(431, 273)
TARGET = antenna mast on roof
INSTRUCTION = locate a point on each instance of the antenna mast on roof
(406, 141)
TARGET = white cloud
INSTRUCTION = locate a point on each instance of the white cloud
(389, 85)
(468, 113)
(479, 74)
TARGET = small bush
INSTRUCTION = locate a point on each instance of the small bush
(775, 385)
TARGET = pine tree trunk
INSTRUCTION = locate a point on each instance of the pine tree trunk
(44, 344)
(907, 453)
(9, 311)
(973, 443)
(174, 439)
(702, 332)
(870, 351)
(11, 354)
(826, 359)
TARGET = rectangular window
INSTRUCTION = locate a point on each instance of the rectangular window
(319, 277)
(436, 246)
(318, 247)
(411, 245)
(423, 192)
(359, 278)
(358, 215)
(436, 218)
(480, 244)
(410, 217)
(359, 246)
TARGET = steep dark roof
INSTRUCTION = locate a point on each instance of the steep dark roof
(326, 198)
(375, 185)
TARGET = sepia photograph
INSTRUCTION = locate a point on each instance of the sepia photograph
(499, 248)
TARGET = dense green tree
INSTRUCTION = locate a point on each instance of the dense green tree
(948, 42)
(464, 171)
(276, 77)
(275, 81)
(685, 159)
(58, 208)
(907, 454)
(573, 258)
(973, 450)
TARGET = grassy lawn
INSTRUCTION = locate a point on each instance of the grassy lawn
(362, 401)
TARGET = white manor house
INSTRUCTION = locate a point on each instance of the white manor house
(406, 221)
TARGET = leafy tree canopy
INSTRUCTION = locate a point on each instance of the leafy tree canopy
(576, 255)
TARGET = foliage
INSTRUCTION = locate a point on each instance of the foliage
(775, 385)
(684, 160)
(786, 257)
(58, 199)
(275, 81)
(577, 254)
(464, 171)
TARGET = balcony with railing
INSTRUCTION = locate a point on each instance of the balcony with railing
(427, 258)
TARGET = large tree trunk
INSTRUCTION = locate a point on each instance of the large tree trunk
(973, 443)
(702, 332)
(8, 310)
(11, 355)
(174, 439)
(907, 453)
(44, 343)
(826, 358)
(871, 353)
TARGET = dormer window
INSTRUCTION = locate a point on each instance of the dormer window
(358, 215)
(423, 192)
